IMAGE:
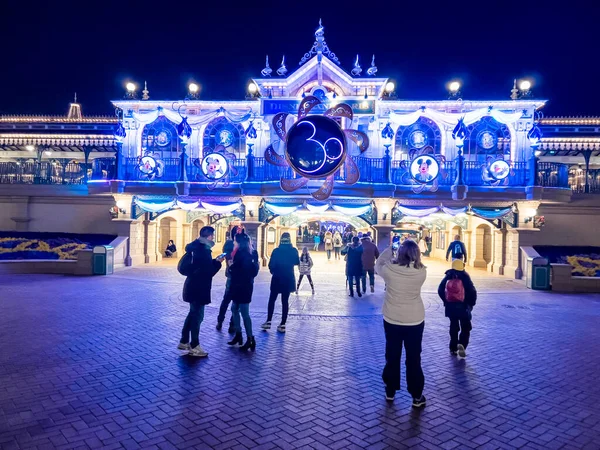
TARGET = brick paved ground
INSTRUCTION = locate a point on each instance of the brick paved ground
(91, 362)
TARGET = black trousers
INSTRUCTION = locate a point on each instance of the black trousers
(371, 273)
(190, 332)
(352, 280)
(411, 337)
(285, 306)
(464, 327)
(309, 280)
(225, 304)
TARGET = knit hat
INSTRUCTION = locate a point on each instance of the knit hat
(285, 238)
(458, 264)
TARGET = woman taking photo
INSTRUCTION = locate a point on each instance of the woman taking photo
(403, 319)
(306, 264)
(242, 272)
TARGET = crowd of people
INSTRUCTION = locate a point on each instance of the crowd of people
(400, 266)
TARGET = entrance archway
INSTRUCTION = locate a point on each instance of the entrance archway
(167, 229)
(483, 246)
(196, 227)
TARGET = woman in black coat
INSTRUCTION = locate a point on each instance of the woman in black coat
(242, 272)
(354, 268)
(283, 280)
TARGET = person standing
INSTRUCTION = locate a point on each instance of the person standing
(369, 256)
(459, 295)
(354, 265)
(228, 250)
(306, 264)
(328, 244)
(337, 244)
(283, 280)
(458, 250)
(243, 270)
(403, 319)
(199, 267)
(317, 239)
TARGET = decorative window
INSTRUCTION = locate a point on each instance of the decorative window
(487, 137)
(160, 137)
(230, 135)
(424, 132)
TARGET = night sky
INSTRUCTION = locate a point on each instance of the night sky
(52, 49)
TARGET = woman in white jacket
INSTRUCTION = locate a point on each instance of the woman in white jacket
(403, 318)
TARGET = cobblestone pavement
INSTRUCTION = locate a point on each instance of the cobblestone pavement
(91, 362)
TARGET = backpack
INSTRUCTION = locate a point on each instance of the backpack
(455, 290)
(458, 251)
(186, 263)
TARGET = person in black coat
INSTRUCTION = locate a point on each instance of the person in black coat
(196, 289)
(171, 249)
(459, 313)
(283, 280)
(228, 250)
(242, 272)
(354, 267)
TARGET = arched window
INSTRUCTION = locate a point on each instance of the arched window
(222, 132)
(424, 132)
(487, 137)
(160, 137)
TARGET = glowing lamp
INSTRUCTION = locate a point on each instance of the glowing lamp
(29, 148)
(389, 87)
(529, 212)
(252, 88)
(47, 152)
(525, 85)
(121, 204)
(454, 86)
(193, 88)
(130, 87)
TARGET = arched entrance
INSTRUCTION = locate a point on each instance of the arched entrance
(167, 230)
(483, 246)
(196, 227)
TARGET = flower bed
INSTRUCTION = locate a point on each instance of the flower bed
(35, 246)
(585, 261)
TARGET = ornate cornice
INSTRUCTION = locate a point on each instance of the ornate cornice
(56, 119)
(56, 139)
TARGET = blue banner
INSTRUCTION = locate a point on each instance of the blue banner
(274, 106)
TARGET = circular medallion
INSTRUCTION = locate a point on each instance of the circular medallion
(147, 165)
(499, 169)
(417, 139)
(424, 169)
(225, 138)
(163, 138)
(316, 146)
(214, 166)
(486, 140)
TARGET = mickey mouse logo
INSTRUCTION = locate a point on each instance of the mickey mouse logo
(214, 166)
(424, 169)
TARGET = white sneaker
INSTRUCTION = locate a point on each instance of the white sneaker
(281, 328)
(461, 351)
(183, 346)
(198, 351)
(266, 326)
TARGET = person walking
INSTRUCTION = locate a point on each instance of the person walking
(200, 268)
(317, 240)
(337, 244)
(403, 319)
(354, 267)
(458, 250)
(283, 280)
(459, 295)
(243, 270)
(328, 244)
(369, 256)
(228, 250)
(306, 264)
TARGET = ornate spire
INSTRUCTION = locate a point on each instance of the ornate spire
(145, 92)
(266, 72)
(282, 70)
(373, 69)
(75, 110)
(514, 92)
(356, 71)
(320, 47)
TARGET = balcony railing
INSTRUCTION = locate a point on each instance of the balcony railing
(257, 169)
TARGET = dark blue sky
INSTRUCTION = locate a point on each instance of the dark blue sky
(53, 49)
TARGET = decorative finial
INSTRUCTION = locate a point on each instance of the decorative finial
(514, 92)
(74, 110)
(75, 100)
(266, 72)
(373, 69)
(320, 47)
(282, 70)
(145, 92)
(357, 69)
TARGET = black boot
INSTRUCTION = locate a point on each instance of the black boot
(237, 339)
(250, 344)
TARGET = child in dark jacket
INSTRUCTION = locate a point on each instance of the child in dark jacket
(458, 303)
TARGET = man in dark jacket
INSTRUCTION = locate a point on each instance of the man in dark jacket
(354, 266)
(459, 312)
(458, 250)
(283, 280)
(196, 289)
(369, 256)
(227, 249)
